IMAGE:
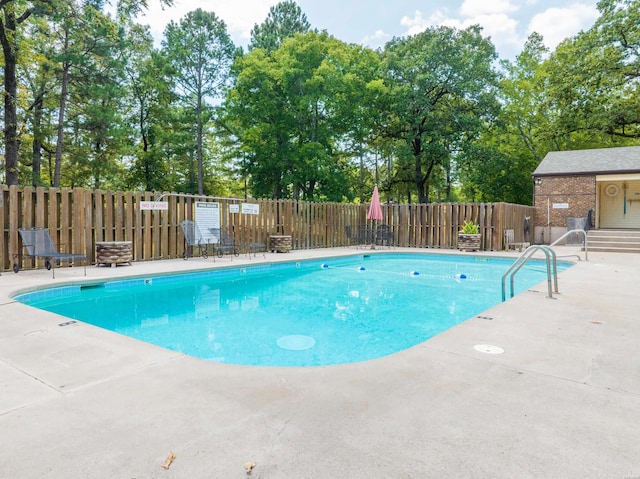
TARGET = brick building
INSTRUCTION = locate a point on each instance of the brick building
(570, 184)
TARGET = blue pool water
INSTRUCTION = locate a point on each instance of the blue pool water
(321, 312)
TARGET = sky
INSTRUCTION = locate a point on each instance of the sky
(374, 22)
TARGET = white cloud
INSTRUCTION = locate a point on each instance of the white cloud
(239, 21)
(379, 38)
(416, 24)
(481, 8)
(556, 24)
(499, 26)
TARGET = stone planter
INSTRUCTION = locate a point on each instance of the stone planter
(280, 243)
(113, 252)
(469, 242)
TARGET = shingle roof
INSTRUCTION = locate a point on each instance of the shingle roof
(625, 159)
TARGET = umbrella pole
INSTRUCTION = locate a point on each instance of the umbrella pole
(374, 235)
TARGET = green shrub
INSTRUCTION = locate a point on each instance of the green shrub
(470, 228)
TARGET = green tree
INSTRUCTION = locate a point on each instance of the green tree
(283, 21)
(150, 100)
(13, 16)
(499, 166)
(37, 74)
(200, 52)
(441, 89)
(291, 114)
(593, 84)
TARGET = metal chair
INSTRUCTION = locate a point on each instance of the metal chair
(226, 245)
(383, 233)
(255, 247)
(194, 238)
(38, 244)
(353, 238)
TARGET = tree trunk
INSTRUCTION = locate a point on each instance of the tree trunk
(36, 147)
(199, 147)
(8, 37)
(61, 113)
(145, 147)
(422, 182)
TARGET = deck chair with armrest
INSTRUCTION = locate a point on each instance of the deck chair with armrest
(193, 238)
(37, 243)
(226, 245)
(255, 247)
(352, 236)
(384, 234)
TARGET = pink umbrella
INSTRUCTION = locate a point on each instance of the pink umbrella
(375, 212)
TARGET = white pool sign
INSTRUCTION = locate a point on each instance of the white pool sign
(250, 208)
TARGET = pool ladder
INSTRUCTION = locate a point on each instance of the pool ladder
(552, 269)
(551, 260)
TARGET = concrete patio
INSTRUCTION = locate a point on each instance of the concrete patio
(562, 401)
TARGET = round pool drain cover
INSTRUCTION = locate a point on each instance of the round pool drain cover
(296, 342)
(488, 349)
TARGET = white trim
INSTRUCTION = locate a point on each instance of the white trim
(621, 177)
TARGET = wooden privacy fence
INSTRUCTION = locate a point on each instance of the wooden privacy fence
(79, 218)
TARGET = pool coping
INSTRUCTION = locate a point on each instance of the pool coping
(84, 402)
(52, 296)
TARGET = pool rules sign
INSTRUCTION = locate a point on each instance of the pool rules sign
(208, 221)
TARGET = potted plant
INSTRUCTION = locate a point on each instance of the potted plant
(469, 237)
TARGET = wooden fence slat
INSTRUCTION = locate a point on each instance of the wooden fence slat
(78, 218)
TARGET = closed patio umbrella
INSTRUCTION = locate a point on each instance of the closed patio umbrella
(375, 213)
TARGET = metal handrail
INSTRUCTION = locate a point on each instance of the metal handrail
(551, 259)
(586, 252)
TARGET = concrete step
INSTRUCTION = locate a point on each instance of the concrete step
(614, 233)
(613, 249)
(614, 241)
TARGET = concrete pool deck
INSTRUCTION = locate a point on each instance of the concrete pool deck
(562, 401)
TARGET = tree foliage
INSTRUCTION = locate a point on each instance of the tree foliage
(441, 88)
(200, 53)
(284, 20)
(89, 101)
(288, 111)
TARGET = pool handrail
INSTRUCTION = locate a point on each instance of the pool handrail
(551, 259)
(585, 245)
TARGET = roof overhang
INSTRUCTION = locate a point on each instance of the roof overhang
(600, 175)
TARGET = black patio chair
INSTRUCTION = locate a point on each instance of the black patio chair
(352, 237)
(256, 247)
(227, 245)
(384, 234)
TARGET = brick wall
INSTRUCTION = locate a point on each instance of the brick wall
(578, 192)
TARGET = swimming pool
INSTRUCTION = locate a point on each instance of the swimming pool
(307, 313)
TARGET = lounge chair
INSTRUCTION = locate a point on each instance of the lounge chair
(37, 243)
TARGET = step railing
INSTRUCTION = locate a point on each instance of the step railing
(552, 269)
(551, 262)
(585, 245)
